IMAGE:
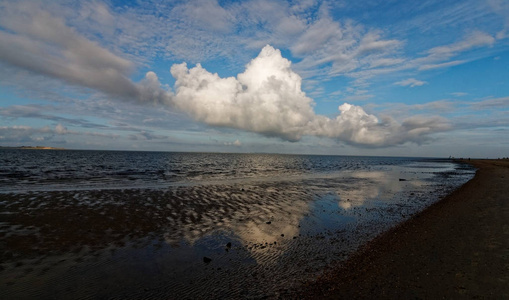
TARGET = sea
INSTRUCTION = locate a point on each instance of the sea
(118, 224)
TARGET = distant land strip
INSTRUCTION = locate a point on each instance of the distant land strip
(33, 147)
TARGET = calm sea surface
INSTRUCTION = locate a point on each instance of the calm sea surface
(78, 224)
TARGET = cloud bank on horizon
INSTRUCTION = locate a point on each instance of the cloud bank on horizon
(331, 66)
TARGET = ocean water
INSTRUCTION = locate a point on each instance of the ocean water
(78, 224)
(35, 170)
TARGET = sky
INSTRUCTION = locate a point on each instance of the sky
(393, 77)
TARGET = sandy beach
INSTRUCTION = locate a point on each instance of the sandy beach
(457, 248)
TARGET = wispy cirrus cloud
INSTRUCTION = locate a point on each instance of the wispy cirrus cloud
(441, 65)
(411, 82)
(473, 40)
(501, 8)
(440, 57)
(18, 134)
(492, 103)
(41, 112)
(435, 58)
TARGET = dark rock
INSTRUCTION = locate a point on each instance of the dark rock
(229, 245)
(268, 222)
(206, 259)
(402, 179)
(282, 234)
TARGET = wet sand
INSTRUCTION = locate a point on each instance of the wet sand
(239, 240)
(457, 248)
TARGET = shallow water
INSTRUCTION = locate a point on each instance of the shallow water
(80, 224)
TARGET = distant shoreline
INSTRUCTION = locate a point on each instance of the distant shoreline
(33, 148)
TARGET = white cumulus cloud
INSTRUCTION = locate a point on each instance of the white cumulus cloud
(267, 98)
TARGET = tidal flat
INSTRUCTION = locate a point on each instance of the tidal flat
(233, 237)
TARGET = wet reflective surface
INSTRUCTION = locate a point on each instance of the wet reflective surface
(229, 225)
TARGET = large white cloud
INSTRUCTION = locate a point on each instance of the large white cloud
(267, 98)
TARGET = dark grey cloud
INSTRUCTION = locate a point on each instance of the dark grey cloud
(18, 135)
(37, 112)
(40, 42)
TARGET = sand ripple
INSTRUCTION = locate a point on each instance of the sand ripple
(263, 237)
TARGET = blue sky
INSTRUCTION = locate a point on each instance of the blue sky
(404, 78)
